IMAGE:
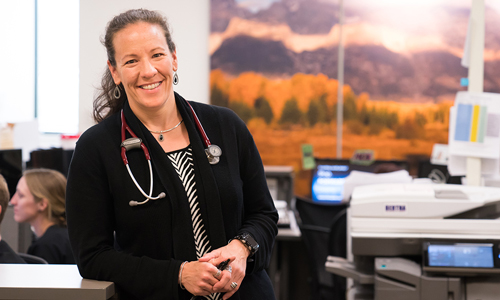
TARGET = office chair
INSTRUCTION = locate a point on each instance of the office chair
(322, 225)
(32, 259)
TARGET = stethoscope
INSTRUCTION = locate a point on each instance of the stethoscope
(213, 153)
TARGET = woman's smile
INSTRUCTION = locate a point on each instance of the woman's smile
(150, 86)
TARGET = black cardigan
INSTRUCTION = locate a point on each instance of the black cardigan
(155, 238)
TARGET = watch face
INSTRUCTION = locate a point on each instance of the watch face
(214, 150)
(251, 242)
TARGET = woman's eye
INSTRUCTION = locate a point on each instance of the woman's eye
(130, 62)
(158, 55)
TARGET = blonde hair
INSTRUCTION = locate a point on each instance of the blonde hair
(51, 185)
(4, 197)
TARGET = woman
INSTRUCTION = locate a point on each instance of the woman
(171, 247)
(40, 201)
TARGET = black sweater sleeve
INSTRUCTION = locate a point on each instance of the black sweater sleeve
(260, 215)
(91, 226)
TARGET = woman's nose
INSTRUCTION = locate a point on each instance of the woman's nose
(148, 70)
(13, 201)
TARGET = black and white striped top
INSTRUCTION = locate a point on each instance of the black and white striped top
(182, 160)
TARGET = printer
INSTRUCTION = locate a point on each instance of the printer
(422, 242)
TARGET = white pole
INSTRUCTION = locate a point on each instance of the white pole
(340, 77)
(476, 76)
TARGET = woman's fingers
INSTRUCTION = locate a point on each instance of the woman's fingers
(199, 277)
(208, 256)
(234, 286)
(223, 281)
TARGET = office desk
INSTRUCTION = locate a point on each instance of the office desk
(54, 282)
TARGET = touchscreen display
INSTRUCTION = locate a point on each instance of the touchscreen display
(462, 256)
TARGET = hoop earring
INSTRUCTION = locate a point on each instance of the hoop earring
(116, 92)
(176, 78)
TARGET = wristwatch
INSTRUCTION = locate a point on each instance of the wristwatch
(248, 241)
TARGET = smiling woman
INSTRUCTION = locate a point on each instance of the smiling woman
(207, 194)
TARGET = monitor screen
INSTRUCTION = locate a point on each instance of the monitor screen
(329, 175)
(460, 255)
(11, 167)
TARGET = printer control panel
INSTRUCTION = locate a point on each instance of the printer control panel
(464, 258)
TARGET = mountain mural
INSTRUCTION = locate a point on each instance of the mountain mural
(408, 63)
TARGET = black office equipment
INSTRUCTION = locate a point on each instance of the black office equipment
(323, 231)
(327, 184)
(437, 173)
(55, 158)
(280, 182)
(11, 167)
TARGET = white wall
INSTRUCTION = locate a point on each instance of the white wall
(190, 25)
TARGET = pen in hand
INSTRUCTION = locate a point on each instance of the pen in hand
(223, 264)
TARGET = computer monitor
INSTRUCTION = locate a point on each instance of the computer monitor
(329, 176)
(11, 167)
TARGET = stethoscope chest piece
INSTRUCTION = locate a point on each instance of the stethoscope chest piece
(131, 143)
(213, 153)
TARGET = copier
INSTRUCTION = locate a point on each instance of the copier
(422, 242)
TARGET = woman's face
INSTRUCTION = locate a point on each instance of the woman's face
(144, 65)
(25, 207)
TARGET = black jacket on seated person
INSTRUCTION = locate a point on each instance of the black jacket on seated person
(53, 246)
(9, 256)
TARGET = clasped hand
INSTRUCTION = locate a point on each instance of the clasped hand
(201, 277)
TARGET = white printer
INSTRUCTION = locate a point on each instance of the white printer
(422, 242)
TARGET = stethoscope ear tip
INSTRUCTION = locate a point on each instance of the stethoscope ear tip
(162, 195)
(133, 203)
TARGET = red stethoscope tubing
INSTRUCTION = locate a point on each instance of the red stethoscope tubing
(125, 126)
(124, 151)
(204, 136)
(133, 143)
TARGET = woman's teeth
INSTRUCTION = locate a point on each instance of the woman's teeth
(150, 86)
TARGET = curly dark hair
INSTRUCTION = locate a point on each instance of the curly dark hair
(105, 104)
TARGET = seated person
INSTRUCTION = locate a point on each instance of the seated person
(7, 255)
(40, 201)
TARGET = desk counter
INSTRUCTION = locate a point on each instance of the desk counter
(33, 281)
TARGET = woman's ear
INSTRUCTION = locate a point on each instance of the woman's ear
(43, 204)
(174, 61)
(114, 73)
